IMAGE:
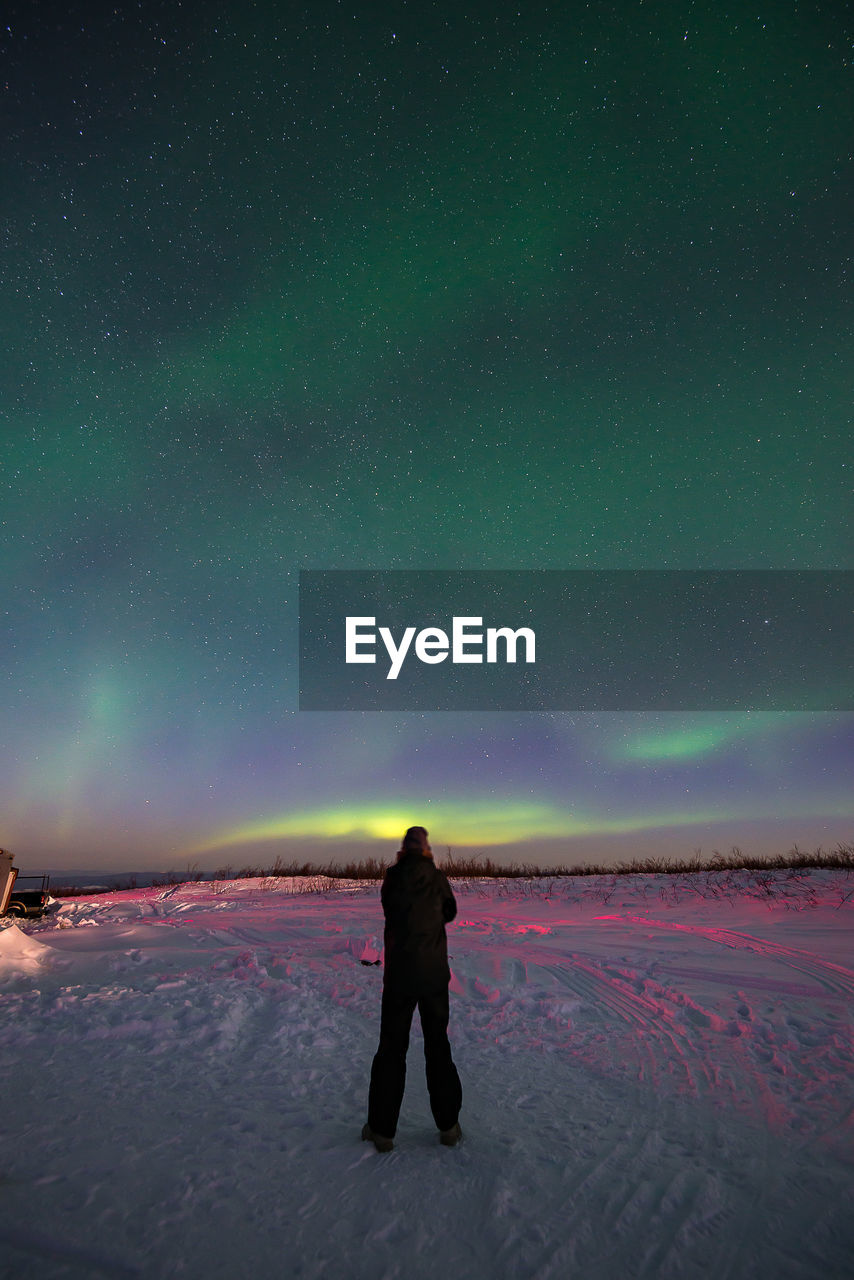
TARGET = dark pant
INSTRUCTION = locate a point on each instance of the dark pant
(388, 1072)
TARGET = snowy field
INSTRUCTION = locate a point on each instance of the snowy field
(658, 1079)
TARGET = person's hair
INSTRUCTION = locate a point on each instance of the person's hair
(415, 841)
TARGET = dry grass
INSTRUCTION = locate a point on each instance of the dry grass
(735, 860)
(313, 878)
(480, 867)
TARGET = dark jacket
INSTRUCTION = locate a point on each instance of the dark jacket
(417, 902)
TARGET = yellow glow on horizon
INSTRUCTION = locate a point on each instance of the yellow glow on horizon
(480, 823)
(452, 822)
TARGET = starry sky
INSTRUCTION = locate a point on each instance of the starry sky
(406, 286)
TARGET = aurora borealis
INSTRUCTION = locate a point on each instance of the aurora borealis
(406, 286)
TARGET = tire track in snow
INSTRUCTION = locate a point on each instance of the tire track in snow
(657, 1040)
(833, 977)
(779, 1062)
(671, 1037)
(674, 1213)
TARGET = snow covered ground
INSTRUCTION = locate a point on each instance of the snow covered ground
(658, 1076)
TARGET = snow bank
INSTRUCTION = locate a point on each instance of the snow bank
(19, 953)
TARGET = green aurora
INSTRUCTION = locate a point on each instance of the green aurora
(308, 288)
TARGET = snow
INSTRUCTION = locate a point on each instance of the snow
(657, 1077)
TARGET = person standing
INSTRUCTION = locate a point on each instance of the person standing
(417, 903)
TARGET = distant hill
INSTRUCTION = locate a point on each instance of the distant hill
(90, 880)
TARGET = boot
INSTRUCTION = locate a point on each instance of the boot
(381, 1143)
(450, 1137)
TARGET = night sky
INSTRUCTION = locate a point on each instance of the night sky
(409, 286)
